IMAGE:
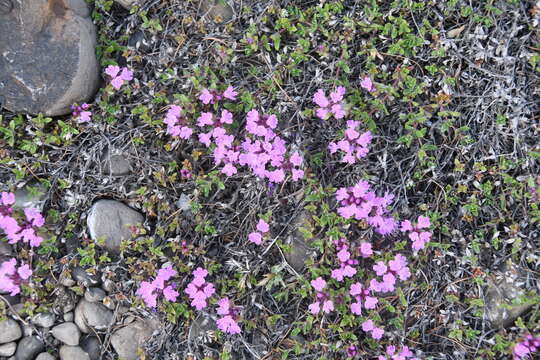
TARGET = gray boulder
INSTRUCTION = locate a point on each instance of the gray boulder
(129, 339)
(92, 315)
(68, 333)
(72, 353)
(47, 55)
(28, 348)
(9, 331)
(45, 356)
(111, 220)
(8, 349)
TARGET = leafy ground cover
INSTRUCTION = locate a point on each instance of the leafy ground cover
(397, 140)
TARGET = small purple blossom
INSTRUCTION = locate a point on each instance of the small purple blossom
(527, 347)
(418, 237)
(367, 84)
(118, 75)
(176, 124)
(323, 301)
(149, 291)
(199, 290)
(11, 276)
(394, 354)
(333, 106)
(354, 145)
(228, 322)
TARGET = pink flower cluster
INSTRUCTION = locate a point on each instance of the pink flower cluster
(404, 354)
(12, 276)
(354, 144)
(176, 125)
(199, 290)
(228, 322)
(396, 268)
(212, 96)
(362, 204)
(418, 237)
(333, 106)
(375, 332)
(81, 112)
(14, 231)
(118, 75)
(323, 299)
(526, 348)
(149, 291)
(367, 84)
(262, 229)
(346, 263)
(362, 296)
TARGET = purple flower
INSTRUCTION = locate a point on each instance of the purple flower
(118, 75)
(228, 323)
(367, 84)
(333, 105)
(12, 277)
(149, 291)
(199, 290)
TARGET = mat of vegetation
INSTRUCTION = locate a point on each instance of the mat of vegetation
(318, 179)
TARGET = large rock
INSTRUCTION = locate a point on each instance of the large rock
(68, 333)
(92, 315)
(28, 348)
(8, 349)
(129, 339)
(72, 353)
(92, 346)
(45, 356)
(44, 319)
(9, 331)
(111, 220)
(47, 55)
(503, 289)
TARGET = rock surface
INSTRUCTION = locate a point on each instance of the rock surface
(111, 220)
(92, 315)
(502, 290)
(217, 10)
(9, 331)
(68, 333)
(73, 353)
(85, 278)
(65, 300)
(45, 356)
(8, 349)
(94, 294)
(126, 3)
(127, 340)
(116, 165)
(47, 56)
(28, 348)
(45, 319)
(300, 250)
(92, 346)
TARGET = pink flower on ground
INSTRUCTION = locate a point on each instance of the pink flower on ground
(228, 323)
(118, 75)
(149, 291)
(333, 105)
(199, 290)
(323, 301)
(367, 84)
(12, 277)
(418, 237)
(369, 327)
(230, 94)
(262, 229)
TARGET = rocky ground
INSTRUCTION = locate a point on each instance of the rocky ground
(448, 91)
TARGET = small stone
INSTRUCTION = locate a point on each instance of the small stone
(116, 165)
(85, 278)
(202, 325)
(94, 294)
(218, 11)
(300, 250)
(8, 349)
(30, 197)
(501, 290)
(5, 249)
(60, 37)
(65, 300)
(111, 220)
(68, 333)
(66, 280)
(92, 315)
(44, 320)
(92, 346)
(69, 316)
(128, 4)
(9, 331)
(127, 340)
(45, 356)
(108, 285)
(73, 353)
(28, 348)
